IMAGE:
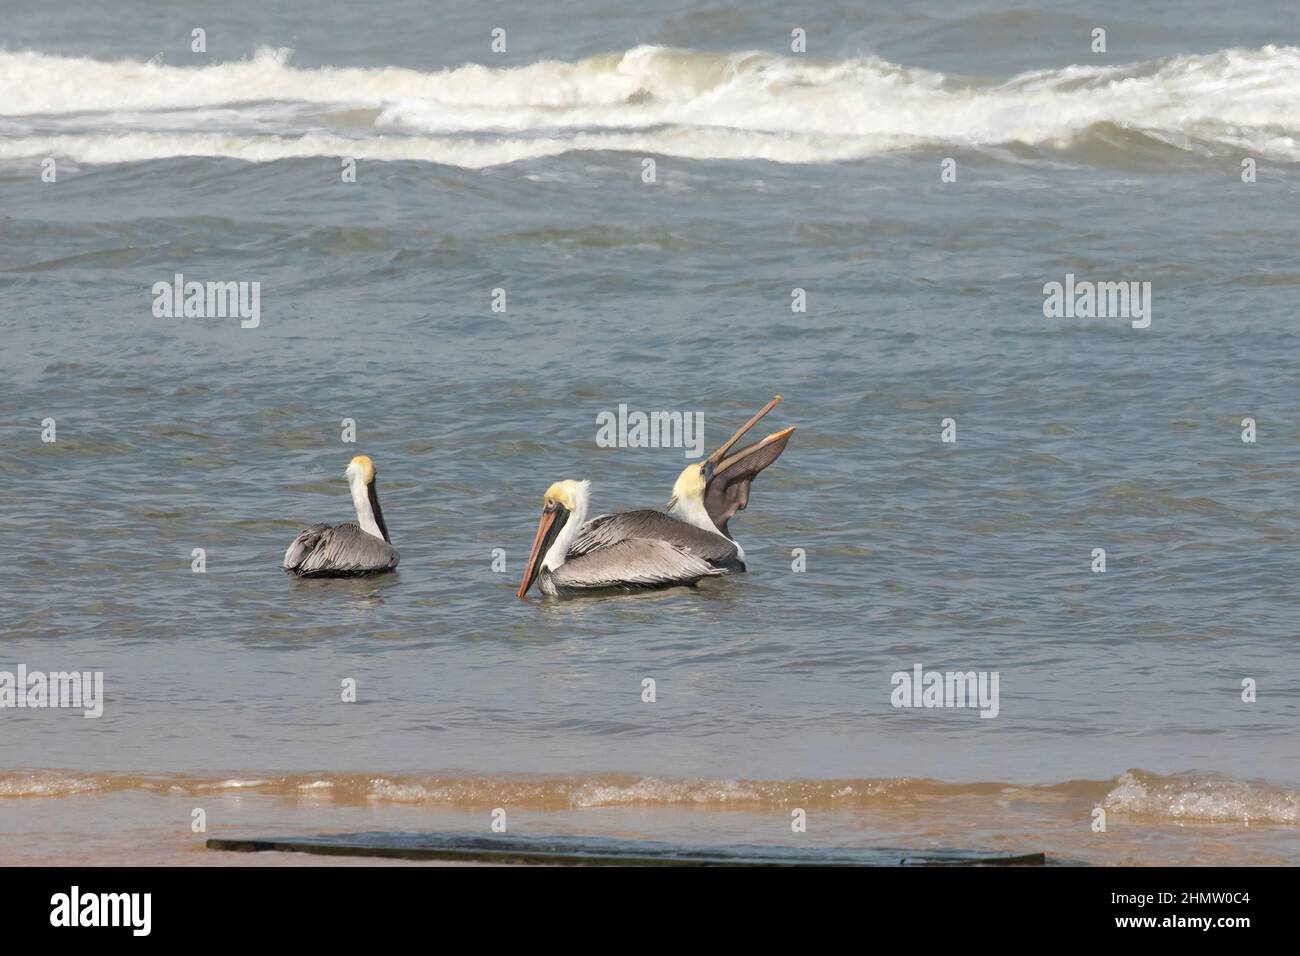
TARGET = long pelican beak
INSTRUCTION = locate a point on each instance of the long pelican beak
(727, 477)
(554, 515)
(750, 450)
(716, 458)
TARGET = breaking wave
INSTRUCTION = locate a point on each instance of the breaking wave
(1209, 798)
(649, 100)
(1135, 794)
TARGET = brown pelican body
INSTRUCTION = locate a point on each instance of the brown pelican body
(350, 549)
(611, 559)
(706, 496)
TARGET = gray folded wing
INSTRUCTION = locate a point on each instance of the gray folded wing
(340, 550)
(607, 530)
(632, 564)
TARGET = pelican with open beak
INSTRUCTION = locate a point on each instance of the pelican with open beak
(706, 496)
(619, 562)
(346, 550)
(708, 493)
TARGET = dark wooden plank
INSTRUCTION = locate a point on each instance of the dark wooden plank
(600, 851)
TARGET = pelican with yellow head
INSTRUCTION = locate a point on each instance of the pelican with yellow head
(562, 567)
(348, 549)
(708, 493)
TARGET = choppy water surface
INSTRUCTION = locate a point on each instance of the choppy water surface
(774, 171)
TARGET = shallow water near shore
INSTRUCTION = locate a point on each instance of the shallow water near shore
(1120, 690)
(1151, 820)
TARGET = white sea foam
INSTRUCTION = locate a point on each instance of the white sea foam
(45, 783)
(647, 100)
(1205, 798)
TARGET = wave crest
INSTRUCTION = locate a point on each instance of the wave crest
(1203, 797)
(1135, 793)
(648, 99)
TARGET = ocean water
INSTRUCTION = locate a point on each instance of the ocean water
(773, 171)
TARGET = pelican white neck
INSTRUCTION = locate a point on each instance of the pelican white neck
(361, 498)
(559, 551)
(690, 509)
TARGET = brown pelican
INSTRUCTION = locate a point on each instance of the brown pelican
(347, 549)
(706, 495)
(619, 561)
